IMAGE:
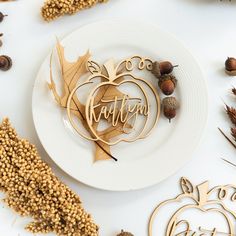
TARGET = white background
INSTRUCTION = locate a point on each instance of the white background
(208, 30)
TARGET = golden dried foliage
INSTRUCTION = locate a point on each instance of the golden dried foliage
(53, 9)
(32, 189)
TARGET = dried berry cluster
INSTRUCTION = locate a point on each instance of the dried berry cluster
(53, 9)
(33, 190)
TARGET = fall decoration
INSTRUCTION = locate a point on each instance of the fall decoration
(170, 106)
(53, 9)
(123, 233)
(2, 16)
(71, 73)
(1, 34)
(106, 101)
(5, 63)
(162, 68)
(231, 112)
(118, 109)
(230, 66)
(167, 84)
(199, 198)
(33, 190)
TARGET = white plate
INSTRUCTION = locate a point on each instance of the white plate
(142, 163)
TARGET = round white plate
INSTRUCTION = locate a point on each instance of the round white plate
(144, 162)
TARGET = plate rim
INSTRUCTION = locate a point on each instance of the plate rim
(119, 189)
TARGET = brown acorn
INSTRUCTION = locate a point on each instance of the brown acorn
(162, 68)
(2, 16)
(167, 84)
(170, 107)
(1, 34)
(230, 66)
(5, 62)
(166, 67)
(123, 233)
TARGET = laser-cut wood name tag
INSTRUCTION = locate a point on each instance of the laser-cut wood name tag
(220, 200)
(110, 103)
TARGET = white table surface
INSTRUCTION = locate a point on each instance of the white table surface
(206, 27)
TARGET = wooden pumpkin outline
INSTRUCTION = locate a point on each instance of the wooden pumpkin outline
(113, 75)
(201, 201)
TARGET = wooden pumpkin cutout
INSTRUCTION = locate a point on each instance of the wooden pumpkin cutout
(203, 200)
(115, 108)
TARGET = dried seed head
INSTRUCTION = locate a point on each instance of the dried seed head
(53, 9)
(33, 190)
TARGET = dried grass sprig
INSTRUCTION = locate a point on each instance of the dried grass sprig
(231, 112)
(234, 91)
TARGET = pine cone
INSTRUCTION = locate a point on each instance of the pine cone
(123, 233)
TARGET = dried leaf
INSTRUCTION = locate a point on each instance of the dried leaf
(100, 154)
(70, 75)
(71, 72)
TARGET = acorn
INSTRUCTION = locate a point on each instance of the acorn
(167, 84)
(123, 233)
(162, 68)
(166, 67)
(5, 62)
(170, 106)
(230, 66)
(2, 16)
(156, 69)
(1, 43)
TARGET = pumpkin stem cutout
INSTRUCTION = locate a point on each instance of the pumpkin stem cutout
(199, 198)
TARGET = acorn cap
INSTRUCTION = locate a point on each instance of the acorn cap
(123, 233)
(156, 69)
(168, 77)
(231, 73)
(170, 103)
